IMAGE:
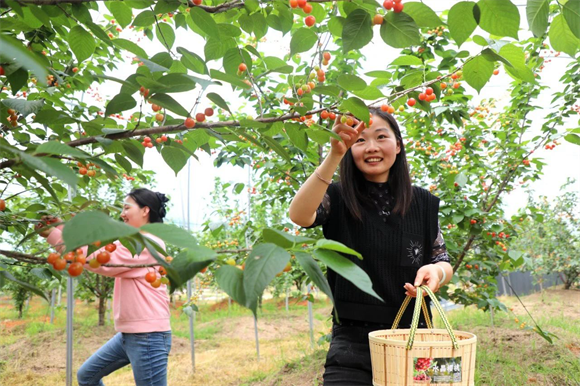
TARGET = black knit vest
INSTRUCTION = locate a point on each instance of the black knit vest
(392, 251)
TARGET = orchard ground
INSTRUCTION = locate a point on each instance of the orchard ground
(32, 350)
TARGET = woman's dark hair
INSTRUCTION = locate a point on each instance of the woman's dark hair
(153, 200)
(353, 182)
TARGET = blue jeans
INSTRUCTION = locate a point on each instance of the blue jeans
(146, 352)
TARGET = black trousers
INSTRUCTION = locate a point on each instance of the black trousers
(348, 362)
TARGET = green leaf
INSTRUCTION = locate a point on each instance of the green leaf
(231, 79)
(99, 33)
(262, 265)
(336, 25)
(336, 246)
(477, 72)
(231, 280)
(125, 164)
(144, 19)
(188, 263)
(274, 145)
(400, 31)
(233, 58)
(351, 82)
(515, 55)
(537, 12)
(165, 34)
(499, 17)
(205, 22)
(461, 21)
(152, 66)
(131, 47)
(17, 80)
(81, 43)
(166, 6)
(169, 103)
(23, 106)
(461, 179)
(192, 61)
(347, 269)
(23, 284)
(561, 37)
(87, 227)
(357, 31)
(40, 15)
(327, 90)
(214, 49)
(133, 152)
(120, 102)
(297, 136)
(492, 56)
(314, 273)
(260, 25)
(571, 13)
(357, 107)
(14, 49)
(407, 60)
(122, 13)
(55, 147)
(422, 14)
(177, 82)
(283, 239)
(275, 64)
(171, 234)
(175, 158)
(302, 40)
(573, 138)
(50, 166)
(53, 117)
(218, 100)
(369, 93)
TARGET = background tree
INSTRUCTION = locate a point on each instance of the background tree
(549, 238)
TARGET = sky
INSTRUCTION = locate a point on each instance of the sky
(562, 162)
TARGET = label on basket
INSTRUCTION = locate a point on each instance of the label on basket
(430, 371)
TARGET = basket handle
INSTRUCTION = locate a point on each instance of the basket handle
(420, 304)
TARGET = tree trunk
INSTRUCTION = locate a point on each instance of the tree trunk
(102, 310)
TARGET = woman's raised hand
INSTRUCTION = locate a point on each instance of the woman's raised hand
(44, 226)
(348, 134)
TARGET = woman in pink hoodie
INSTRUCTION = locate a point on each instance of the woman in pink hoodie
(141, 311)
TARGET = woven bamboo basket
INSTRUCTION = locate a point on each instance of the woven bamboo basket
(419, 357)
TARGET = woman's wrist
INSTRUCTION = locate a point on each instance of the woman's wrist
(443, 274)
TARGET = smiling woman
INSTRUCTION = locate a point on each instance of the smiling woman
(376, 211)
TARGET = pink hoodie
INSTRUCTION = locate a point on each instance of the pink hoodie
(137, 306)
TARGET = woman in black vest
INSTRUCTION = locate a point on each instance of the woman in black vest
(376, 211)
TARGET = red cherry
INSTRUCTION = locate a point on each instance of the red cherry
(208, 112)
(411, 102)
(428, 91)
(307, 8)
(388, 5)
(398, 7)
(199, 117)
(422, 96)
(189, 123)
(310, 21)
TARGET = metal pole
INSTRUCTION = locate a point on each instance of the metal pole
(256, 333)
(52, 299)
(287, 290)
(310, 319)
(191, 332)
(70, 301)
(59, 297)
